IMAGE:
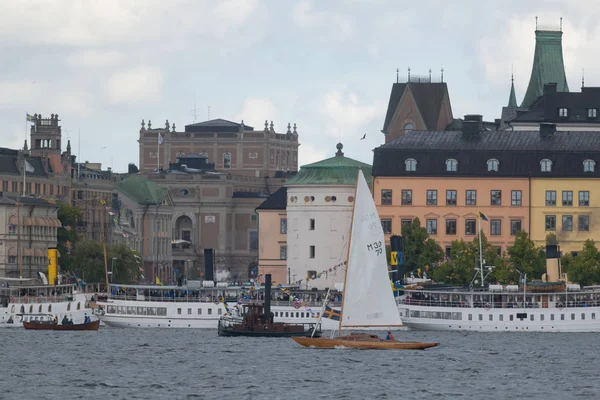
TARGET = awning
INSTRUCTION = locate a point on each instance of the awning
(28, 253)
(40, 253)
(45, 221)
(57, 222)
(27, 221)
(12, 251)
(39, 221)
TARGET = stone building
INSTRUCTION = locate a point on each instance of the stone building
(28, 228)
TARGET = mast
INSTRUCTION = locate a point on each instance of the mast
(19, 249)
(103, 204)
(348, 256)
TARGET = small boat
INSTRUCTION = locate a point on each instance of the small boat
(256, 320)
(46, 325)
(367, 301)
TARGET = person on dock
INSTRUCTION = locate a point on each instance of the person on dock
(389, 336)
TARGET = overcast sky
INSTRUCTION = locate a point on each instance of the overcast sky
(328, 66)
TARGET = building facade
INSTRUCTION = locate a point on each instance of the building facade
(28, 227)
(320, 199)
(446, 178)
(272, 237)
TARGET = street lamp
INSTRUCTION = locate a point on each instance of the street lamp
(524, 283)
(112, 269)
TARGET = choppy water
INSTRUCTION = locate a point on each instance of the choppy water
(179, 364)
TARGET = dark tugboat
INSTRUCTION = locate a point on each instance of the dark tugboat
(257, 320)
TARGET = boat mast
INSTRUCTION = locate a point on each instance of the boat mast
(480, 247)
(348, 256)
(19, 249)
(103, 204)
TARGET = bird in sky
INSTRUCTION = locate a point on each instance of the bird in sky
(102, 148)
(364, 136)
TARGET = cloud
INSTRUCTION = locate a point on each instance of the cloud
(92, 59)
(309, 154)
(344, 115)
(137, 85)
(336, 26)
(254, 112)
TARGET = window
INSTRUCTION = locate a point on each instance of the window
(283, 226)
(493, 165)
(253, 217)
(546, 165)
(583, 223)
(386, 224)
(496, 198)
(515, 226)
(448, 252)
(407, 197)
(12, 259)
(450, 227)
(253, 240)
(451, 165)
(567, 198)
(283, 252)
(210, 311)
(495, 227)
(12, 229)
(563, 112)
(406, 222)
(51, 190)
(311, 225)
(311, 252)
(592, 112)
(550, 222)
(189, 311)
(515, 198)
(584, 198)
(432, 197)
(567, 223)
(550, 197)
(227, 160)
(471, 197)
(408, 127)
(432, 226)
(470, 227)
(386, 197)
(588, 165)
(450, 197)
(411, 164)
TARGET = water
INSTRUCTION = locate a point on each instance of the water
(179, 364)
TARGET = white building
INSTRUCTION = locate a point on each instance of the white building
(319, 208)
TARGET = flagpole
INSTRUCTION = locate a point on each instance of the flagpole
(158, 153)
(480, 247)
(24, 171)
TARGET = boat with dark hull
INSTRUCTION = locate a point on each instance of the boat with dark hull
(52, 326)
(256, 320)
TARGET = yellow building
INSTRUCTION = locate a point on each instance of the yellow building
(568, 208)
(272, 233)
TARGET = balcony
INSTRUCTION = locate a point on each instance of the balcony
(182, 248)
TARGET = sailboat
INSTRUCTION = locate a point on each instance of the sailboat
(367, 300)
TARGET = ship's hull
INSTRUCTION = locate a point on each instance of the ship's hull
(91, 326)
(19, 311)
(326, 343)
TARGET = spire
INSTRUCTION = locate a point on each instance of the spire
(512, 99)
(548, 64)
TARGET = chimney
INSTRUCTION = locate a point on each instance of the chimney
(497, 123)
(547, 130)
(552, 268)
(472, 125)
(267, 304)
(549, 88)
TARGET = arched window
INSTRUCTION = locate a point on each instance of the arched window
(408, 127)
(492, 164)
(546, 165)
(227, 160)
(589, 165)
(451, 165)
(411, 164)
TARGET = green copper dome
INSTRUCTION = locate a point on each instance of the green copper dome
(142, 190)
(338, 170)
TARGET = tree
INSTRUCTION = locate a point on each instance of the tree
(67, 235)
(524, 256)
(126, 268)
(585, 268)
(88, 262)
(419, 249)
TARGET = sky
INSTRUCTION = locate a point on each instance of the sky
(328, 66)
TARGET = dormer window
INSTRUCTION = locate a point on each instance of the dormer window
(546, 165)
(451, 165)
(592, 112)
(589, 165)
(563, 112)
(411, 164)
(492, 165)
(408, 127)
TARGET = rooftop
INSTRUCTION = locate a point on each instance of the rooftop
(12, 199)
(216, 126)
(142, 190)
(276, 201)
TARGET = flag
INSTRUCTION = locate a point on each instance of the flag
(79, 281)
(331, 313)
(160, 139)
(482, 216)
(28, 167)
(157, 281)
(30, 118)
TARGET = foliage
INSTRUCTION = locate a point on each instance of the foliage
(67, 235)
(551, 238)
(88, 262)
(419, 249)
(585, 267)
(523, 256)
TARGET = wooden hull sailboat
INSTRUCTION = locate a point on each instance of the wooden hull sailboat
(363, 342)
(367, 299)
(51, 326)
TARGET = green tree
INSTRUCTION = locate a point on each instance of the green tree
(126, 268)
(524, 256)
(67, 235)
(419, 249)
(585, 268)
(88, 262)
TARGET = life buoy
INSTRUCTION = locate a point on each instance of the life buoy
(486, 306)
(560, 306)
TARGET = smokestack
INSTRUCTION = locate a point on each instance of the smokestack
(552, 257)
(267, 306)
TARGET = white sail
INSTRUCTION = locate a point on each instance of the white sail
(368, 297)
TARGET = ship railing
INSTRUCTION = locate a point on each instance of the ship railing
(229, 300)
(558, 303)
(42, 299)
(228, 322)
